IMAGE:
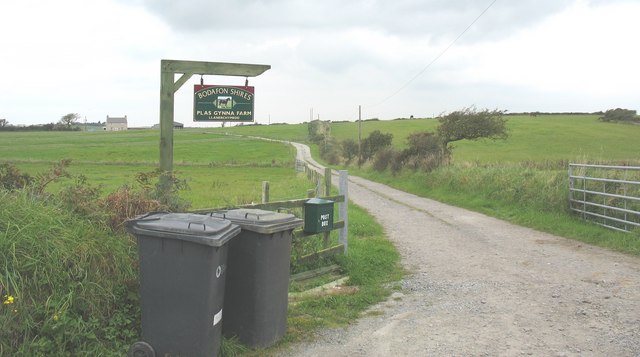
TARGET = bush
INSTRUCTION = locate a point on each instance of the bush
(330, 151)
(125, 204)
(83, 199)
(426, 152)
(12, 179)
(383, 158)
(397, 163)
(619, 115)
(318, 131)
(157, 191)
(163, 187)
(374, 142)
(471, 124)
(423, 143)
(349, 149)
(425, 163)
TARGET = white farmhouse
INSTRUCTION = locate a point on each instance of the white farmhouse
(116, 123)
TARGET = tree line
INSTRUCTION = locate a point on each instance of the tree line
(425, 150)
(68, 122)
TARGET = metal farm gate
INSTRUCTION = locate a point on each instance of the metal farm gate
(606, 195)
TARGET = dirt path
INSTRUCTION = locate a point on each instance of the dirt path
(483, 287)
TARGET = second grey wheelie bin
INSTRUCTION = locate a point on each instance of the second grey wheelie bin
(256, 294)
(183, 259)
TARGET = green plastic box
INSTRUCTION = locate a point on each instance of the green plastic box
(318, 215)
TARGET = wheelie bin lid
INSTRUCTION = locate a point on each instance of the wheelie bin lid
(259, 220)
(195, 228)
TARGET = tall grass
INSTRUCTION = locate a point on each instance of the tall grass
(71, 282)
(529, 195)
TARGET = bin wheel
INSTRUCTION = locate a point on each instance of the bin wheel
(141, 349)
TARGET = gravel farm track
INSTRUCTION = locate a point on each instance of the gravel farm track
(479, 286)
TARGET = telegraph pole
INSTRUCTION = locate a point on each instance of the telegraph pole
(359, 134)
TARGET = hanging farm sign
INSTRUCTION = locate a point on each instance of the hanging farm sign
(222, 103)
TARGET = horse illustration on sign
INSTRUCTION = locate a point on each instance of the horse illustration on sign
(223, 103)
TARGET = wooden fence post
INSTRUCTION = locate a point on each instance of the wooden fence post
(327, 181)
(265, 191)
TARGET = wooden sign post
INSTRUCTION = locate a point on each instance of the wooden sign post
(168, 86)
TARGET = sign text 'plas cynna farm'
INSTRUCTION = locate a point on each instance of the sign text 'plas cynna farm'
(222, 103)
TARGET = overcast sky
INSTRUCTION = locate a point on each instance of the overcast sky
(102, 57)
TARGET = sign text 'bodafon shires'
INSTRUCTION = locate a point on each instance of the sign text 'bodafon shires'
(222, 103)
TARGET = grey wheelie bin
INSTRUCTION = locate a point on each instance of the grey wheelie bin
(183, 259)
(256, 294)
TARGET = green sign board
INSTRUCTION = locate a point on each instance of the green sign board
(222, 103)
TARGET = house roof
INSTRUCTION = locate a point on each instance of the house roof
(175, 124)
(116, 120)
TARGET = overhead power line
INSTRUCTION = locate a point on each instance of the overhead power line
(436, 58)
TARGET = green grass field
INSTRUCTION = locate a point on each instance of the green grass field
(220, 170)
(195, 146)
(576, 138)
(542, 138)
(215, 165)
(522, 179)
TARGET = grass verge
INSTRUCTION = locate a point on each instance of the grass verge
(372, 264)
(523, 194)
(68, 286)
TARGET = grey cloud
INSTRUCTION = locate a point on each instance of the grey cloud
(402, 17)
